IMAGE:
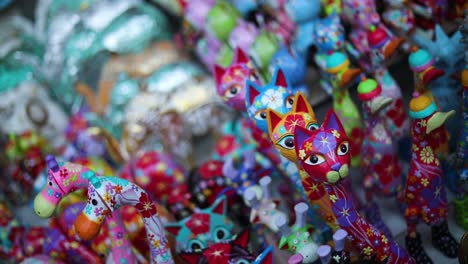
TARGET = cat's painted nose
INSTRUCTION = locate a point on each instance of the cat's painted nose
(336, 166)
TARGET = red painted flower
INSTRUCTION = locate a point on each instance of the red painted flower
(314, 190)
(146, 207)
(226, 145)
(397, 113)
(292, 121)
(199, 223)
(63, 173)
(211, 168)
(388, 169)
(218, 253)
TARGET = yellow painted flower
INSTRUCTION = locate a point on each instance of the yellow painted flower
(427, 156)
(302, 154)
(308, 146)
(368, 251)
(156, 243)
(335, 133)
(425, 182)
(384, 239)
(333, 198)
(369, 232)
(107, 197)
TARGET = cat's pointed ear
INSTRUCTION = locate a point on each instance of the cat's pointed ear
(240, 56)
(279, 79)
(301, 104)
(333, 122)
(191, 258)
(242, 239)
(251, 93)
(218, 73)
(220, 206)
(173, 228)
(301, 134)
(273, 119)
(266, 257)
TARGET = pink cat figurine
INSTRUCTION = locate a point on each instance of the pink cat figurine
(325, 154)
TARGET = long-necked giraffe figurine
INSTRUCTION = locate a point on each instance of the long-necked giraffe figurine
(425, 191)
(338, 65)
(65, 178)
(105, 195)
(380, 164)
(325, 153)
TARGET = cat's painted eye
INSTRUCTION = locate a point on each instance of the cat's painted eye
(289, 101)
(220, 234)
(287, 142)
(232, 91)
(343, 148)
(313, 127)
(196, 245)
(261, 115)
(315, 159)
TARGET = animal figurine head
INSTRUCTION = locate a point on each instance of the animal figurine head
(338, 65)
(202, 228)
(107, 194)
(324, 152)
(426, 117)
(197, 11)
(303, 11)
(369, 92)
(422, 64)
(281, 127)
(234, 251)
(243, 35)
(276, 95)
(381, 42)
(292, 63)
(329, 34)
(264, 48)
(231, 82)
(221, 20)
(62, 178)
(360, 13)
(264, 208)
(298, 239)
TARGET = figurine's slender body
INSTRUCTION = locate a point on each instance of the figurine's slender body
(324, 153)
(425, 194)
(338, 66)
(106, 194)
(380, 163)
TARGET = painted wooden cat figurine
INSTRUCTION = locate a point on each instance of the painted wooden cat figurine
(281, 128)
(325, 154)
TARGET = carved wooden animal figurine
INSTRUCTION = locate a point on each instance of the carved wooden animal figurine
(325, 154)
(425, 191)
